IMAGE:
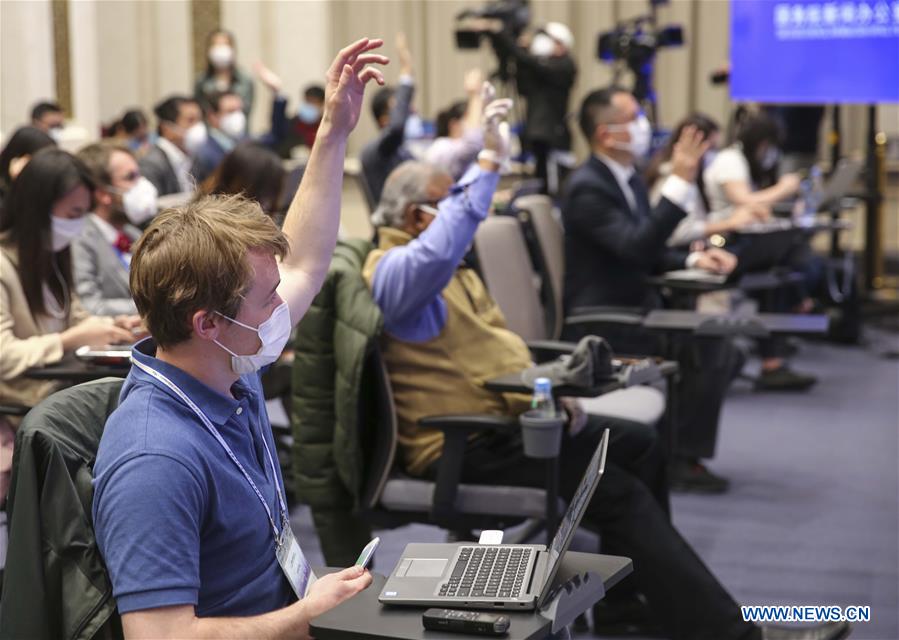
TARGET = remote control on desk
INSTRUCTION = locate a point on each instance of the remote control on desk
(477, 622)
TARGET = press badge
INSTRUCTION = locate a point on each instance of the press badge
(293, 562)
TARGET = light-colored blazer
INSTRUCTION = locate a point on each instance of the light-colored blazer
(23, 342)
(101, 279)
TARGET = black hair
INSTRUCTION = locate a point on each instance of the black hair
(132, 120)
(314, 92)
(380, 102)
(706, 125)
(754, 130)
(169, 109)
(455, 111)
(215, 100)
(26, 217)
(592, 107)
(26, 141)
(43, 108)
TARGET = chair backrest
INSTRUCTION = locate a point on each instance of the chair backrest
(352, 167)
(509, 275)
(378, 430)
(551, 244)
(56, 447)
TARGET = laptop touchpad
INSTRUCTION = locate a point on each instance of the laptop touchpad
(426, 568)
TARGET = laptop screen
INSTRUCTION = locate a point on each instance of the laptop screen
(573, 516)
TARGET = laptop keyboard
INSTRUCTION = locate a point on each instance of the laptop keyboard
(488, 572)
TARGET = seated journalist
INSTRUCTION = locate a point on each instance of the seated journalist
(189, 509)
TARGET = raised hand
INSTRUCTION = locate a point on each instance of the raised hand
(687, 154)
(403, 53)
(473, 82)
(268, 77)
(345, 84)
(497, 137)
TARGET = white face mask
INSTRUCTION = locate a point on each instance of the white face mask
(770, 158)
(221, 56)
(139, 202)
(415, 128)
(56, 134)
(274, 334)
(234, 124)
(194, 138)
(64, 230)
(641, 136)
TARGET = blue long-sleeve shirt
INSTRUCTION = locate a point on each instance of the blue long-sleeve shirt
(409, 279)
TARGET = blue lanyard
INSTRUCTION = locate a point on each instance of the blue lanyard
(121, 256)
(215, 433)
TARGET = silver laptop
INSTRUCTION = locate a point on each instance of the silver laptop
(479, 576)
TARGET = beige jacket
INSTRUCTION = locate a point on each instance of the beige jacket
(23, 341)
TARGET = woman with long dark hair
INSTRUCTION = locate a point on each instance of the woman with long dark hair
(252, 170)
(746, 172)
(40, 316)
(699, 224)
(222, 73)
(24, 143)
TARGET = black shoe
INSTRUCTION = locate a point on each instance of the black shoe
(689, 476)
(784, 379)
(627, 617)
(826, 631)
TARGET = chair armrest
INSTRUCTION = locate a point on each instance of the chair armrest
(456, 429)
(13, 410)
(546, 350)
(467, 422)
(606, 317)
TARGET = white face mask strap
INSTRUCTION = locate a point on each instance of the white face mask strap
(238, 322)
(226, 348)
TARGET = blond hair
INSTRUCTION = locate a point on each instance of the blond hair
(195, 257)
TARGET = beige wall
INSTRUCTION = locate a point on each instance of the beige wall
(131, 53)
(25, 27)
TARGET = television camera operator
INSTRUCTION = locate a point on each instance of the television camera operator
(545, 72)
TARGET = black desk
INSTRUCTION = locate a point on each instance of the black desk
(364, 618)
(75, 371)
(773, 323)
(513, 383)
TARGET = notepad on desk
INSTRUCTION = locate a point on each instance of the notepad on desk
(696, 275)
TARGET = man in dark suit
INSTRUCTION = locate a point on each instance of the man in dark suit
(181, 133)
(614, 239)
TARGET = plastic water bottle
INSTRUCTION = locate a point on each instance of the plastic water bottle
(542, 400)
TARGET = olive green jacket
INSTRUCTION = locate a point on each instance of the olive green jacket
(55, 585)
(332, 341)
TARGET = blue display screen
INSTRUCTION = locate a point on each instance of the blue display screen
(807, 51)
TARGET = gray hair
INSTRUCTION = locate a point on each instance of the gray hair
(407, 184)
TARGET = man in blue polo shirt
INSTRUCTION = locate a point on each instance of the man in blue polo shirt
(189, 507)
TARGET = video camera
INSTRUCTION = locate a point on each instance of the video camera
(635, 43)
(514, 14)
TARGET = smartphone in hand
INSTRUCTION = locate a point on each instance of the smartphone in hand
(367, 553)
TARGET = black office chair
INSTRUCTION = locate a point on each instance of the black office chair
(55, 582)
(391, 498)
